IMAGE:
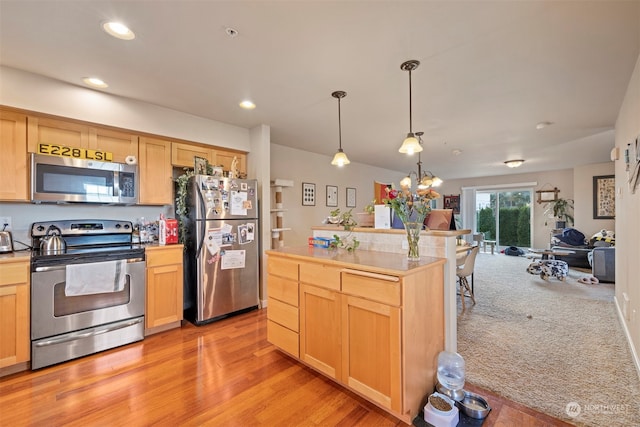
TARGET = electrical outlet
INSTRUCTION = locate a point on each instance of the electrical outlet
(5, 220)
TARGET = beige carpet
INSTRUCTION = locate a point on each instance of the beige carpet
(549, 344)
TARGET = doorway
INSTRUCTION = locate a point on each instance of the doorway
(504, 216)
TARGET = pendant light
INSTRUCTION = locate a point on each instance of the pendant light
(340, 159)
(410, 144)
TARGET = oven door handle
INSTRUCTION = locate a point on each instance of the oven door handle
(80, 335)
(62, 267)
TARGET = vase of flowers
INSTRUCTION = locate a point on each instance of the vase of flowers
(412, 208)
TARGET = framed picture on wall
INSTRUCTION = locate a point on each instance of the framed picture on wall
(452, 202)
(351, 197)
(332, 196)
(604, 197)
(308, 194)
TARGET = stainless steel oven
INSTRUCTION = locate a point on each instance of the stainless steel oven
(89, 298)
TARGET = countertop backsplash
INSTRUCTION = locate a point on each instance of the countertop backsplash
(24, 214)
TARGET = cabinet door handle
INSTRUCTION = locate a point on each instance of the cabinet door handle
(371, 275)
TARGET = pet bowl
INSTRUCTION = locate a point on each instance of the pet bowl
(474, 406)
(456, 395)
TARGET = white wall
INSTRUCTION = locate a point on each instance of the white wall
(627, 222)
(20, 89)
(301, 166)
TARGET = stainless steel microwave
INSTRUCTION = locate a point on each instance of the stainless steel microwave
(66, 180)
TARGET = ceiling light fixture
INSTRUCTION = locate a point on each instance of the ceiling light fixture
(340, 159)
(247, 105)
(118, 30)
(410, 145)
(95, 82)
(426, 179)
(514, 163)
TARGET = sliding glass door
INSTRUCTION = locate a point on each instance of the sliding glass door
(504, 216)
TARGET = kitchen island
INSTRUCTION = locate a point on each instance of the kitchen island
(435, 243)
(371, 321)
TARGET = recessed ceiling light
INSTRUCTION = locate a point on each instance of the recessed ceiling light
(95, 82)
(456, 151)
(118, 30)
(514, 163)
(247, 105)
(542, 125)
(231, 32)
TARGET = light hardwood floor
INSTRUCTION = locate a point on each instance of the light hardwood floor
(221, 374)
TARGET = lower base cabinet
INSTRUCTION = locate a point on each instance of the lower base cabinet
(164, 297)
(15, 344)
(377, 334)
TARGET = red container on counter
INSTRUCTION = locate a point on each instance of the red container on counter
(168, 231)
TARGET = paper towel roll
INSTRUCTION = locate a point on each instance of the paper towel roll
(131, 160)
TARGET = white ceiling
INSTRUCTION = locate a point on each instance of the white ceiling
(489, 71)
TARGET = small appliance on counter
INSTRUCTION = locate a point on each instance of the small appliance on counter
(6, 241)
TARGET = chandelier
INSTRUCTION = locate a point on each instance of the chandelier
(425, 180)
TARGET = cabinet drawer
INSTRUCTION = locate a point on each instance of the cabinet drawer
(283, 289)
(14, 273)
(284, 314)
(283, 267)
(164, 256)
(320, 275)
(283, 338)
(372, 286)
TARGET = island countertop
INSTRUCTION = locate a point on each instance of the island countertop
(442, 233)
(374, 261)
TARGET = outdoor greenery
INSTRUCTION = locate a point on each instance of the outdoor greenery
(515, 227)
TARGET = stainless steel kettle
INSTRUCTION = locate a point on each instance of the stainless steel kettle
(53, 243)
(6, 242)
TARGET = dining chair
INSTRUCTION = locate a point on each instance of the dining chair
(465, 270)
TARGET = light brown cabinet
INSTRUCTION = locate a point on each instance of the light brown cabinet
(14, 312)
(72, 134)
(225, 158)
(182, 154)
(377, 333)
(164, 299)
(320, 323)
(121, 144)
(14, 169)
(156, 179)
(282, 305)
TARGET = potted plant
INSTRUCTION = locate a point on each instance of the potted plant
(562, 210)
(366, 218)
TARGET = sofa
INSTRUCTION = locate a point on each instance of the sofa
(573, 240)
(603, 262)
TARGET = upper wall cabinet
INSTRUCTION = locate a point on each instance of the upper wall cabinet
(156, 180)
(71, 134)
(224, 158)
(121, 144)
(13, 161)
(59, 132)
(182, 154)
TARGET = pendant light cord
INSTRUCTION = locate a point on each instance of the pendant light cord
(410, 112)
(339, 126)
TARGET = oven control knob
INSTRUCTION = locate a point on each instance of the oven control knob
(126, 226)
(118, 226)
(40, 228)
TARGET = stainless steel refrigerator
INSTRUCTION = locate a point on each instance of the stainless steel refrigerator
(222, 248)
